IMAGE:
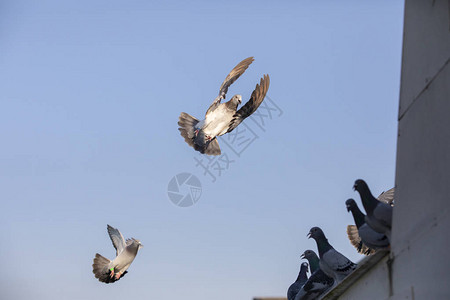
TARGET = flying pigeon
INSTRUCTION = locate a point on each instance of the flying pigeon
(297, 285)
(362, 236)
(379, 213)
(333, 263)
(318, 283)
(108, 271)
(221, 118)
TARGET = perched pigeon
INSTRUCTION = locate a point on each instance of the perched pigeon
(108, 271)
(297, 285)
(318, 283)
(333, 263)
(379, 213)
(313, 260)
(363, 238)
(355, 240)
(222, 118)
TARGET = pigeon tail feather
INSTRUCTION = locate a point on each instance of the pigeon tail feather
(187, 127)
(197, 140)
(355, 240)
(101, 269)
(213, 148)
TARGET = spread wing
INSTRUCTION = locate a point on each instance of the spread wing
(232, 77)
(117, 239)
(387, 197)
(252, 105)
(355, 240)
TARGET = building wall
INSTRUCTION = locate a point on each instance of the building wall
(374, 285)
(421, 226)
(420, 256)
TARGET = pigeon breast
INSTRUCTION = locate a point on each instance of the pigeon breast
(218, 121)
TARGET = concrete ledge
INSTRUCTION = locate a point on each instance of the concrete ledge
(364, 266)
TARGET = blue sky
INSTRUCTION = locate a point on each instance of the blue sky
(90, 94)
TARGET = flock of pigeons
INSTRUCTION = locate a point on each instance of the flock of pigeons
(370, 233)
(220, 119)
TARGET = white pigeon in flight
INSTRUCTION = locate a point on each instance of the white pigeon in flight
(108, 271)
(221, 118)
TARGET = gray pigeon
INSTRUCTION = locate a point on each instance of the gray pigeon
(333, 263)
(379, 213)
(352, 230)
(364, 239)
(108, 271)
(297, 285)
(221, 118)
(318, 283)
(355, 240)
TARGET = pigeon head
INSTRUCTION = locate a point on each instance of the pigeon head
(237, 99)
(316, 233)
(350, 204)
(312, 258)
(368, 200)
(308, 254)
(304, 266)
(139, 244)
(234, 102)
(360, 185)
(136, 243)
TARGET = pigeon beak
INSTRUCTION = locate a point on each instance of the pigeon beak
(355, 186)
(302, 256)
(348, 208)
(309, 235)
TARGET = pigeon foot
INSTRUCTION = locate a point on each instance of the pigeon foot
(118, 276)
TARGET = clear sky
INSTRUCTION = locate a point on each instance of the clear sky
(90, 95)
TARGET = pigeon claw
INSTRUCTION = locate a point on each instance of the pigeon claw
(111, 273)
(118, 276)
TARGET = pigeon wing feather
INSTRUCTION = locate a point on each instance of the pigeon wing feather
(387, 197)
(237, 71)
(338, 263)
(117, 239)
(252, 105)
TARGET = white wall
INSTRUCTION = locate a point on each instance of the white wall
(421, 227)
